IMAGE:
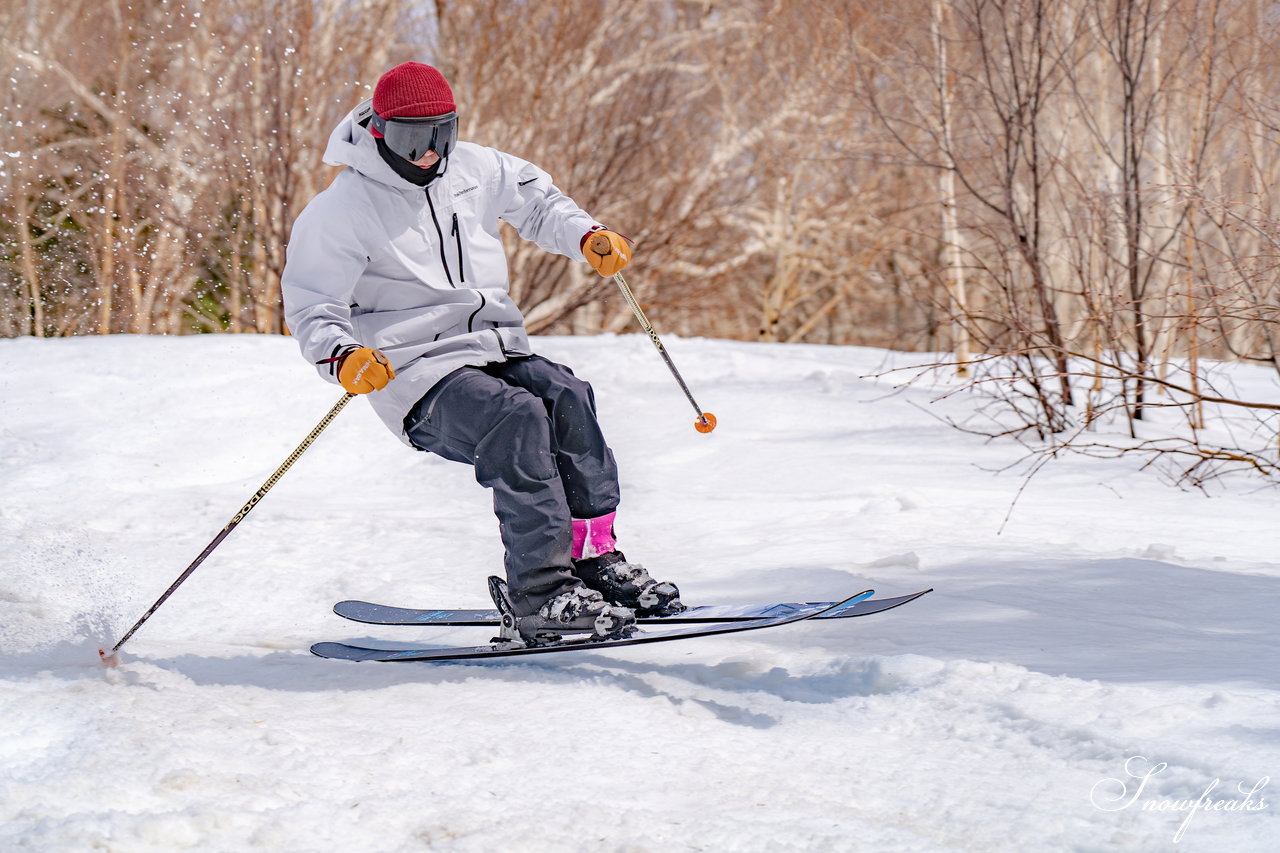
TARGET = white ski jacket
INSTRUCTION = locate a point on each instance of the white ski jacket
(418, 273)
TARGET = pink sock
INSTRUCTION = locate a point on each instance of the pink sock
(593, 536)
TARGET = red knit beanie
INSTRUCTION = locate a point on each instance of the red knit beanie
(412, 90)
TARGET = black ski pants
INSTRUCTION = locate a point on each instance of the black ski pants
(529, 427)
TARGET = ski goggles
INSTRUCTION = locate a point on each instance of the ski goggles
(412, 138)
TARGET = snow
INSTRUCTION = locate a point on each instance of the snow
(1096, 672)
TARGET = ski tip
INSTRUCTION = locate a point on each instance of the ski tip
(326, 650)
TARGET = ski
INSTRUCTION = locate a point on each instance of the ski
(384, 614)
(343, 651)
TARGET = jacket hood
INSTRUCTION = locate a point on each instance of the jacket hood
(352, 145)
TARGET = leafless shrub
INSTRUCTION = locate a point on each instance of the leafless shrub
(1076, 196)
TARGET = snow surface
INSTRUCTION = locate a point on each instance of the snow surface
(1083, 673)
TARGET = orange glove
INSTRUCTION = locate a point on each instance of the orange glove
(364, 369)
(607, 251)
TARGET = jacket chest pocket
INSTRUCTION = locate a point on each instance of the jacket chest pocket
(451, 223)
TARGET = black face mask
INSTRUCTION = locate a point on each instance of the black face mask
(413, 174)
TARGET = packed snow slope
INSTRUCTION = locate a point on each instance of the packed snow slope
(1100, 672)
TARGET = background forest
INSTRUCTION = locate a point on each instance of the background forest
(1074, 197)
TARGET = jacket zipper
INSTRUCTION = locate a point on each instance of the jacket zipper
(440, 234)
(457, 236)
(456, 232)
(472, 318)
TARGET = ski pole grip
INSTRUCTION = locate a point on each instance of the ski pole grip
(600, 244)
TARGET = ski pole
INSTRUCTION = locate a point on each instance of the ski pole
(706, 421)
(112, 658)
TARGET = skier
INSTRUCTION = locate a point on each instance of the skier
(396, 287)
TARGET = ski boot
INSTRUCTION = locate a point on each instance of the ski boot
(628, 585)
(578, 611)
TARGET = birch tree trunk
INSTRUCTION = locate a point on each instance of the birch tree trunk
(953, 272)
